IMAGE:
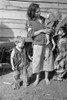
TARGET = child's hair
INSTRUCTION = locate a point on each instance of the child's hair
(63, 28)
(19, 39)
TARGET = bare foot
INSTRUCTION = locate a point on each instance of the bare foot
(25, 85)
(55, 77)
(47, 81)
(15, 86)
(36, 82)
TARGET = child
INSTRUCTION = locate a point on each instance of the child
(60, 60)
(18, 62)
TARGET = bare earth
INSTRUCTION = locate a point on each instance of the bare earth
(57, 90)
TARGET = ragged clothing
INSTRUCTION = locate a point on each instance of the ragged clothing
(19, 59)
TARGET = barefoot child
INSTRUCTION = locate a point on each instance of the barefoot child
(60, 60)
(18, 62)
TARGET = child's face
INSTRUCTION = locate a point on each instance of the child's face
(60, 32)
(20, 44)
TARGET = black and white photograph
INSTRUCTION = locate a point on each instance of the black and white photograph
(33, 49)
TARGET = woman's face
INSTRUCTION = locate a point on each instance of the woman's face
(38, 12)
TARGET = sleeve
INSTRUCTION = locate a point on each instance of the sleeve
(30, 30)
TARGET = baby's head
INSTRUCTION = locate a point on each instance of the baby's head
(19, 41)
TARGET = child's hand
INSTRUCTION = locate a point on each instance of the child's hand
(13, 68)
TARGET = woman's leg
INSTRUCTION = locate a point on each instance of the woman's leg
(46, 77)
(37, 79)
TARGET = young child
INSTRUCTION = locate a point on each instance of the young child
(60, 60)
(18, 62)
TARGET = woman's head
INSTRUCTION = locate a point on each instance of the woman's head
(33, 11)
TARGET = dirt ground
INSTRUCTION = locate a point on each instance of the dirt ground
(57, 90)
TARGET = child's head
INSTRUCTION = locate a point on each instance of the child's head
(19, 41)
(61, 31)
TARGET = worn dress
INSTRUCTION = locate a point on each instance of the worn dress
(38, 44)
(49, 62)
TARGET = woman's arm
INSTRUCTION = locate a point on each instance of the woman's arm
(42, 30)
(32, 33)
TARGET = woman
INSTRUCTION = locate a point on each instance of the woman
(35, 28)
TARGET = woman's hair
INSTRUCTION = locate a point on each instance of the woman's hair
(31, 11)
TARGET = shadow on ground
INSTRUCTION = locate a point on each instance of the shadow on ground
(5, 70)
(42, 76)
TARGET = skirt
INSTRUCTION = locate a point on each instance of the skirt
(49, 63)
(38, 58)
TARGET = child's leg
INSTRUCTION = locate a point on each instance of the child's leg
(16, 84)
(46, 77)
(57, 66)
(60, 73)
(37, 79)
(61, 70)
(25, 77)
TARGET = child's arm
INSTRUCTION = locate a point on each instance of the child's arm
(53, 44)
(46, 53)
(11, 59)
